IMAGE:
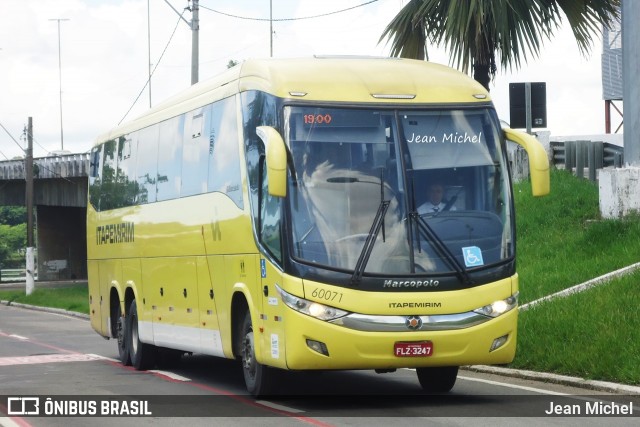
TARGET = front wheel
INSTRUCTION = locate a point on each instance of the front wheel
(437, 379)
(142, 355)
(259, 379)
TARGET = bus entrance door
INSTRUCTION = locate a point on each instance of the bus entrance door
(273, 338)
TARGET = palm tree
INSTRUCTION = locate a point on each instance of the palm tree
(478, 33)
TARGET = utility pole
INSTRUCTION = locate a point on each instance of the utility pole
(195, 35)
(60, 76)
(195, 31)
(271, 28)
(28, 172)
(149, 47)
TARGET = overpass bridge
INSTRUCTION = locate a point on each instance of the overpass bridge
(60, 205)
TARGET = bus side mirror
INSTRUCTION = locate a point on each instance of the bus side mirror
(276, 159)
(538, 160)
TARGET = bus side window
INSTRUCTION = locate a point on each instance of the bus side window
(109, 168)
(195, 164)
(147, 164)
(126, 184)
(224, 155)
(168, 183)
(95, 169)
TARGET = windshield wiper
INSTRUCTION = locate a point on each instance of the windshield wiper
(440, 247)
(378, 221)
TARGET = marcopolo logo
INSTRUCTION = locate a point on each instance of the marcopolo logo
(427, 283)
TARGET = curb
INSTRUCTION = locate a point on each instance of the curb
(602, 386)
(46, 309)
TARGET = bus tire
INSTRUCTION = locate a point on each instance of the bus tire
(142, 355)
(121, 336)
(437, 379)
(259, 379)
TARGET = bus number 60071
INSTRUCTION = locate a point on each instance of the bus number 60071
(326, 295)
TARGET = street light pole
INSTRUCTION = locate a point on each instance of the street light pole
(60, 77)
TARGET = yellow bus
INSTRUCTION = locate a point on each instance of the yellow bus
(284, 214)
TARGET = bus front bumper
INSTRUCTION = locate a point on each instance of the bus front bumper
(315, 344)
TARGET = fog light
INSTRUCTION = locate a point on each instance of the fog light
(318, 347)
(498, 342)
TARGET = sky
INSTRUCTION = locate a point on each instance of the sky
(101, 64)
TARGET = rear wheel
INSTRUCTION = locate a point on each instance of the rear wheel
(120, 334)
(437, 379)
(142, 355)
(259, 379)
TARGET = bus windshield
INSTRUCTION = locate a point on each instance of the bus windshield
(428, 189)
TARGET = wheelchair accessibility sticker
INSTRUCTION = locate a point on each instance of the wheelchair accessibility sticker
(472, 256)
(263, 268)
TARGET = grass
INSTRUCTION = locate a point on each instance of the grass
(562, 241)
(72, 298)
(594, 334)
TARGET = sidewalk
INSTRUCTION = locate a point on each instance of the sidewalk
(10, 286)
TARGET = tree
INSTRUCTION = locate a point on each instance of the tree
(13, 215)
(13, 239)
(481, 33)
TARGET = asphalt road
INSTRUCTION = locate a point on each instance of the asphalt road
(54, 356)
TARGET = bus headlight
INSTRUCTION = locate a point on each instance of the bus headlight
(310, 308)
(499, 307)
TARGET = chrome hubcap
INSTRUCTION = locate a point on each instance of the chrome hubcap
(248, 357)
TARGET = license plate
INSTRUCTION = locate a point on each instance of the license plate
(413, 349)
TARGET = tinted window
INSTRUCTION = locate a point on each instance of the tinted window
(258, 109)
(126, 184)
(95, 173)
(147, 164)
(195, 152)
(169, 158)
(224, 170)
(108, 190)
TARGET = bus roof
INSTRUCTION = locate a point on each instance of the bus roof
(324, 79)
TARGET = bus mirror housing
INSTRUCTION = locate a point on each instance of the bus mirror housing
(276, 159)
(538, 160)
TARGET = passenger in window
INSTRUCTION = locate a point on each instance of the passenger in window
(435, 202)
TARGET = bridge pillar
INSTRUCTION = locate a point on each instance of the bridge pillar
(62, 243)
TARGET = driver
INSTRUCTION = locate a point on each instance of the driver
(435, 202)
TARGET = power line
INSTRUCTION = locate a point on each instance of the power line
(24, 133)
(11, 136)
(154, 69)
(287, 19)
(36, 142)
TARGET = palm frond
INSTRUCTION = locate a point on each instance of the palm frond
(407, 33)
(481, 31)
